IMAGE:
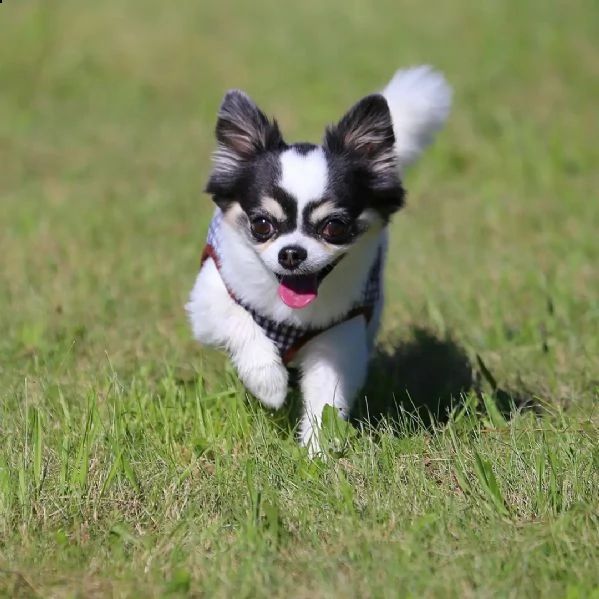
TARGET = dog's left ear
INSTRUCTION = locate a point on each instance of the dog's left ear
(366, 133)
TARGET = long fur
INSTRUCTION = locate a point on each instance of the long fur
(356, 173)
(419, 99)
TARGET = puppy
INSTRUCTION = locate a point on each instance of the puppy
(292, 272)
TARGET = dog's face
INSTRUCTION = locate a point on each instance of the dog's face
(301, 207)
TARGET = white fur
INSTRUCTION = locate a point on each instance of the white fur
(322, 211)
(333, 368)
(304, 176)
(218, 321)
(333, 365)
(318, 255)
(336, 294)
(274, 208)
(419, 99)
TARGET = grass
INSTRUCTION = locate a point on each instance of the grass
(131, 462)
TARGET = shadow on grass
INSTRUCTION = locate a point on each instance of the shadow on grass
(422, 380)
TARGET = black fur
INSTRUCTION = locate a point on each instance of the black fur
(247, 154)
(244, 129)
(359, 150)
(362, 163)
(252, 206)
(304, 148)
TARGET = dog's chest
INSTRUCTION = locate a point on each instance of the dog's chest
(288, 338)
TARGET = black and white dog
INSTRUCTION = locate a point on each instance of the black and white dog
(292, 272)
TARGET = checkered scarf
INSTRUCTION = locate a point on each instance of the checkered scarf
(290, 338)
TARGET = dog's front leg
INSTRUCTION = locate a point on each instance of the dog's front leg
(260, 368)
(220, 322)
(333, 369)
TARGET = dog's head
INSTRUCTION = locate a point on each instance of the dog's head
(301, 207)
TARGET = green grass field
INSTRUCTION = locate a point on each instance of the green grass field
(132, 464)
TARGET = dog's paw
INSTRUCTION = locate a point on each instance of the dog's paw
(312, 444)
(268, 383)
(310, 435)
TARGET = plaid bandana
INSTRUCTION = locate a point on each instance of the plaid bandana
(288, 338)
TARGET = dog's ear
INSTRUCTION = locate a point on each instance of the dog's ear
(365, 133)
(243, 129)
(365, 141)
(243, 132)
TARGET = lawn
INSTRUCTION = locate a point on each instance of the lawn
(132, 464)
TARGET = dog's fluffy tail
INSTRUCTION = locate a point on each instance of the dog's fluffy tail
(419, 99)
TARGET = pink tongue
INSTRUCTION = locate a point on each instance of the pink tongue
(298, 292)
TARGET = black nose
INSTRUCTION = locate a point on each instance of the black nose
(292, 256)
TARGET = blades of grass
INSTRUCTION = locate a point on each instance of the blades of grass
(124, 534)
(200, 421)
(494, 415)
(346, 498)
(166, 422)
(85, 448)
(65, 408)
(64, 461)
(459, 468)
(37, 443)
(23, 495)
(486, 373)
(130, 473)
(114, 469)
(6, 489)
(556, 481)
(273, 523)
(541, 498)
(22, 490)
(464, 416)
(488, 481)
(335, 432)
(253, 492)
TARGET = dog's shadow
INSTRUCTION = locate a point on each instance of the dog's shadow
(421, 381)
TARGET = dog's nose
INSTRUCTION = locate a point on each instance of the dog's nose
(292, 256)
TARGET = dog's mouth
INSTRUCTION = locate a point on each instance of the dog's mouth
(299, 291)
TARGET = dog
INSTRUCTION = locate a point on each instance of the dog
(291, 277)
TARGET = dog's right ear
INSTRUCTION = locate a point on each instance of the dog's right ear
(365, 132)
(243, 132)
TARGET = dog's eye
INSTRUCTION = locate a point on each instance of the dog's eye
(335, 231)
(262, 229)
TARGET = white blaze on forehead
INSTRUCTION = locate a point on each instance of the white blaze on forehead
(304, 176)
